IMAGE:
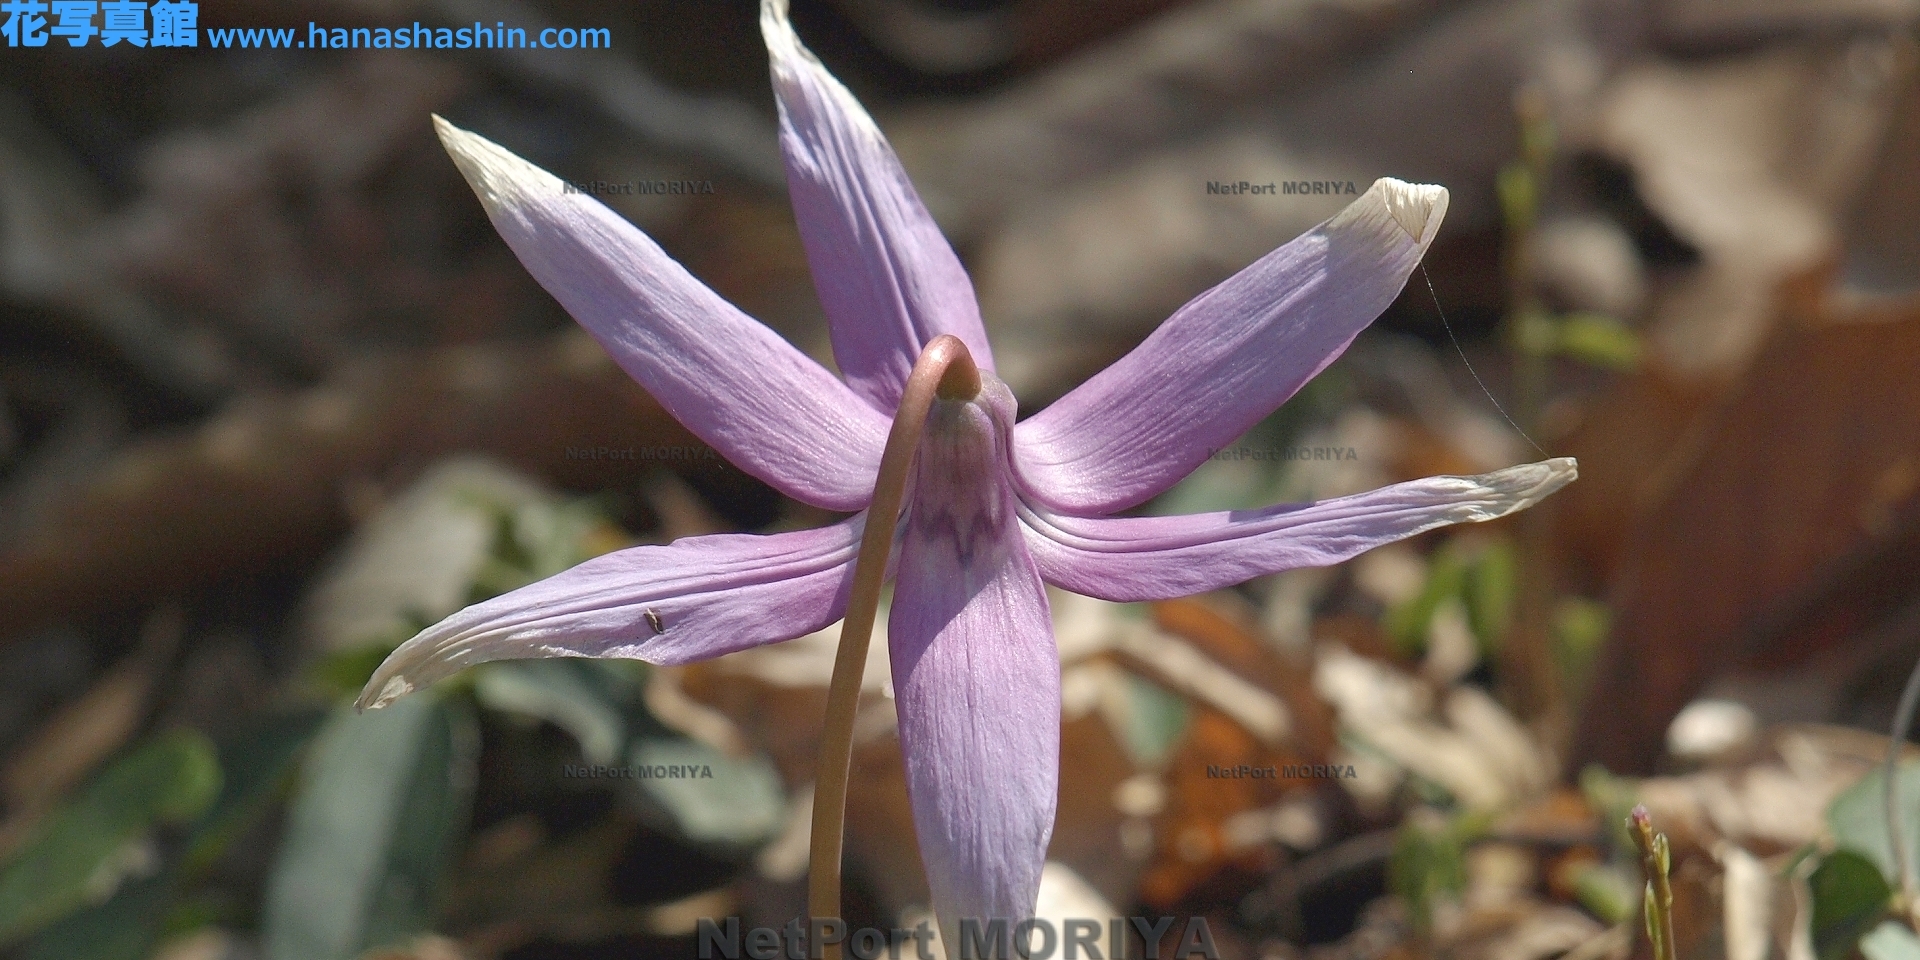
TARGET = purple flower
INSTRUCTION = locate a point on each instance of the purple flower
(996, 508)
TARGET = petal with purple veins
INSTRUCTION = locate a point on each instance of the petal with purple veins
(1228, 358)
(888, 279)
(975, 674)
(764, 405)
(1156, 558)
(692, 599)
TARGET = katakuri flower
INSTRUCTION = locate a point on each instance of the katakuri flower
(995, 508)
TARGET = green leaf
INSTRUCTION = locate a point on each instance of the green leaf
(383, 800)
(1519, 201)
(1580, 628)
(1407, 623)
(590, 699)
(342, 673)
(1606, 890)
(1891, 941)
(1428, 863)
(123, 928)
(1650, 912)
(1155, 719)
(1535, 332)
(466, 531)
(1490, 590)
(88, 847)
(1537, 139)
(709, 797)
(257, 761)
(1612, 797)
(1858, 817)
(1599, 340)
(532, 541)
(1849, 898)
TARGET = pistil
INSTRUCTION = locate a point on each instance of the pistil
(945, 370)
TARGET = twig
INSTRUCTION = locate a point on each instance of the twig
(1656, 859)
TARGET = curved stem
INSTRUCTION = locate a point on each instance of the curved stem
(945, 369)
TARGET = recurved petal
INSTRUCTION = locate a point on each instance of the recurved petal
(1155, 558)
(1227, 358)
(977, 682)
(887, 278)
(975, 673)
(692, 599)
(764, 405)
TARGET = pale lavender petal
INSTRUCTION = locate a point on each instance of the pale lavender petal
(764, 405)
(1226, 359)
(887, 278)
(1155, 558)
(975, 674)
(692, 599)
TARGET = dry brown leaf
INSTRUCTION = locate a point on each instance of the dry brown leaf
(1779, 531)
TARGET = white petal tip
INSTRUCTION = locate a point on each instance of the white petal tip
(497, 176)
(800, 77)
(1417, 207)
(1519, 487)
(777, 30)
(393, 689)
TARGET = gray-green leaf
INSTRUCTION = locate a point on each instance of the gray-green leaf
(88, 847)
(710, 796)
(384, 798)
(1858, 817)
(1849, 898)
(582, 697)
(1891, 941)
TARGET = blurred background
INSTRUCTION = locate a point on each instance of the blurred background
(273, 396)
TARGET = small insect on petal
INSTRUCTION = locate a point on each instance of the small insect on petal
(653, 620)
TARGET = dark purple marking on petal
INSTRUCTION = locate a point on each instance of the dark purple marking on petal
(975, 672)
